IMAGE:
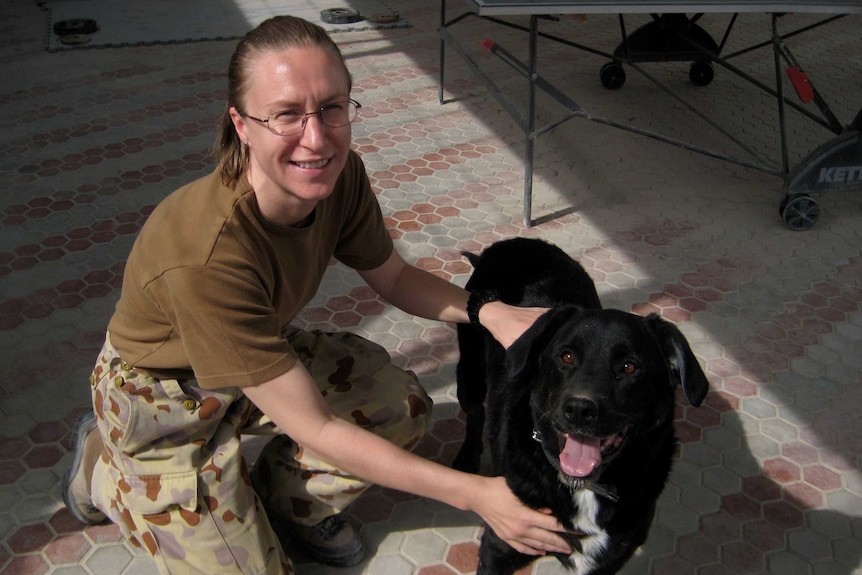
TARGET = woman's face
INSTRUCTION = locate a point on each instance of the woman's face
(290, 174)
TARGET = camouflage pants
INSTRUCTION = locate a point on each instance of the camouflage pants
(172, 475)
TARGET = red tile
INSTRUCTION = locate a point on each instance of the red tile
(370, 308)
(722, 401)
(687, 432)
(781, 470)
(741, 506)
(42, 457)
(410, 226)
(26, 565)
(740, 557)
(703, 417)
(45, 432)
(822, 478)
(783, 514)
(448, 430)
(29, 538)
(723, 367)
(340, 303)
(761, 488)
(800, 452)
(803, 495)
(463, 557)
(346, 319)
(64, 522)
(13, 447)
(429, 263)
(67, 549)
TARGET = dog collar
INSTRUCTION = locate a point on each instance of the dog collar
(598, 489)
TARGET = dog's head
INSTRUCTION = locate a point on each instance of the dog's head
(598, 378)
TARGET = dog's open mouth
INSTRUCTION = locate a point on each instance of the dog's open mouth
(580, 455)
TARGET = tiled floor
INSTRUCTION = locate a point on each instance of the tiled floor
(768, 477)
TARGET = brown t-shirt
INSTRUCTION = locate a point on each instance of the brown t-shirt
(210, 284)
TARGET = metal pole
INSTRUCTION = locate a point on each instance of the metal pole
(442, 46)
(531, 123)
(779, 88)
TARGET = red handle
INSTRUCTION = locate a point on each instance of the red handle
(801, 84)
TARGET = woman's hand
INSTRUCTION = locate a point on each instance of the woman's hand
(507, 322)
(526, 530)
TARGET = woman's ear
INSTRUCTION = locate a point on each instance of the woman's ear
(239, 124)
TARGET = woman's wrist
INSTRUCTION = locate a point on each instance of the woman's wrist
(476, 301)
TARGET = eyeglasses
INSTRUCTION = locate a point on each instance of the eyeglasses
(291, 122)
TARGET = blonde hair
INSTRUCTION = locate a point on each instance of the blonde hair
(277, 33)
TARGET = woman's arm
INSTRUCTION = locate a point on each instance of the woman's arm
(295, 404)
(423, 294)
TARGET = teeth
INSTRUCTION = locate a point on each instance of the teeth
(312, 165)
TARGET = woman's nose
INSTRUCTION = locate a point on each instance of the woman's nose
(314, 130)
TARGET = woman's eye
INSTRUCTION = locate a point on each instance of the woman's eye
(287, 114)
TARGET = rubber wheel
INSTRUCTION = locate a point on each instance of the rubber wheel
(75, 26)
(800, 212)
(613, 76)
(701, 73)
(340, 16)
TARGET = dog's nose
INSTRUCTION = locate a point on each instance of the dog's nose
(580, 410)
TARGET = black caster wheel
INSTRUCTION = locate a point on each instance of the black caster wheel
(75, 26)
(701, 73)
(799, 212)
(340, 16)
(613, 76)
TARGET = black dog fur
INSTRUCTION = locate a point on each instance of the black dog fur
(580, 407)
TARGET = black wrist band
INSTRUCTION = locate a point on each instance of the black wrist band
(475, 302)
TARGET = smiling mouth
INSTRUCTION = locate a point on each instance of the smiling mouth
(581, 455)
(312, 165)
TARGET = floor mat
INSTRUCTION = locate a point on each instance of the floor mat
(135, 23)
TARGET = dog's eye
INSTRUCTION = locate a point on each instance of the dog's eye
(568, 358)
(629, 367)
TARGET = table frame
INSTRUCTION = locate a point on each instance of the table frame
(489, 10)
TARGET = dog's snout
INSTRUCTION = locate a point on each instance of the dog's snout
(580, 410)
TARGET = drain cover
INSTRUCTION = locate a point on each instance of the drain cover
(75, 39)
(340, 16)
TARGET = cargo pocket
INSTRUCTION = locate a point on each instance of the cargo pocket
(154, 494)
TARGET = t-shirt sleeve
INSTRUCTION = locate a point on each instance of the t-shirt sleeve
(230, 331)
(364, 242)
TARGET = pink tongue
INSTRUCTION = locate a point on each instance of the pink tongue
(580, 455)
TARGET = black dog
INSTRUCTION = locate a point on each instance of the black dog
(581, 406)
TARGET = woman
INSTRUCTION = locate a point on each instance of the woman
(200, 350)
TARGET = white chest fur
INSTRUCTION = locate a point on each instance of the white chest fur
(596, 539)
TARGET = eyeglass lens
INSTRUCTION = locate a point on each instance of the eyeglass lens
(334, 115)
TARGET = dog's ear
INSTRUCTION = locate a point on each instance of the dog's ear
(522, 355)
(684, 366)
